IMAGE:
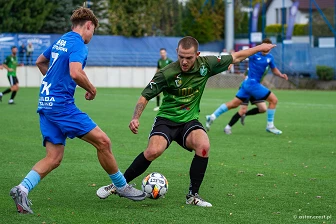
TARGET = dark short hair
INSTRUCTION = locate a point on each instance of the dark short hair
(188, 42)
(13, 47)
(163, 49)
(267, 41)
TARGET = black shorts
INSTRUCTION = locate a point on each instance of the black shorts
(12, 80)
(173, 131)
(252, 101)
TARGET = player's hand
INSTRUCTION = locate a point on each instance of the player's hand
(89, 96)
(134, 126)
(230, 66)
(284, 76)
(266, 47)
(10, 69)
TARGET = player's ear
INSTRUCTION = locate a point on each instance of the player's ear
(198, 53)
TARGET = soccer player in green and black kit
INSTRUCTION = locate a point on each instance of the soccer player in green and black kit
(182, 84)
(162, 62)
(10, 64)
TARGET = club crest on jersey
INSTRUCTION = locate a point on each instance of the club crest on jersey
(151, 83)
(203, 70)
(268, 60)
(178, 80)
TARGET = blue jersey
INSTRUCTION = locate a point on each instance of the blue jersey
(58, 88)
(258, 64)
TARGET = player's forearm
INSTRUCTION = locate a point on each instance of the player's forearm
(139, 108)
(243, 54)
(6, 67)
(43, 67)
(43, 64)
(277, 72)
(82, 80)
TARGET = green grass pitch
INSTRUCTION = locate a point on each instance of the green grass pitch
(252, 177)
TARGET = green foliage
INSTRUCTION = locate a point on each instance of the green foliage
(275, 28)
(324, 72)
(139, 18)
(320, 28)
(23, 16)
(300, 30)
(204, 22)
(58, 20)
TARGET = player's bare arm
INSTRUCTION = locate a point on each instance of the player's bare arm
(241, 55)
(278, 73)
(79, 76)
(7, 68)
(43, 64)
(139, 108)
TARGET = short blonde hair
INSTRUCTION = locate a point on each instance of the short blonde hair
(81, 15)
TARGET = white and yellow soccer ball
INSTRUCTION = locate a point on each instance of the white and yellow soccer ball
(155, 185)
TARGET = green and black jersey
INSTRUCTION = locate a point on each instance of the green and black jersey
(182, 91)
(11, 62)
(163, 63)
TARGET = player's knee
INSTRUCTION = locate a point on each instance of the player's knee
(152, 153)
(203, 149)
(55, 162)
(104, 143)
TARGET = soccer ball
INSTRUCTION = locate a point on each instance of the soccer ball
(155, 185)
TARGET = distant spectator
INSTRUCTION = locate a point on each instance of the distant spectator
(22, 52)
(29, 55)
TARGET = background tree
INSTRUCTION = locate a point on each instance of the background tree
(23, 16)
(58, 20)
(205, 22)
(320, 28)
(144, 17)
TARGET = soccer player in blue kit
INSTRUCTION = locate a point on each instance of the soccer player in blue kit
(62, 65)
(252, 87)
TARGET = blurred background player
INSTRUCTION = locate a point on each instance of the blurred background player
(242, 113)
(60, 118)
(252, 87)
(182, 83)
(162, 62)
(10, 64)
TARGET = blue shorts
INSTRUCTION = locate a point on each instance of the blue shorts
(56, 127)
(252, 88)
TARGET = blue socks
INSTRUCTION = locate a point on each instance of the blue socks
(270, 117)
(220, 110)
(118, 179)
(31, 180)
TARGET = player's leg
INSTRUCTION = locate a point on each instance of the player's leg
(260, 92)
(14, 89)
(236, 117)
(159, 140)
(198, 141)
(54, 141)
(157, 103)
(272, 100)
(234, 103)
(261, 108)
(11, 83)
(102, 143)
